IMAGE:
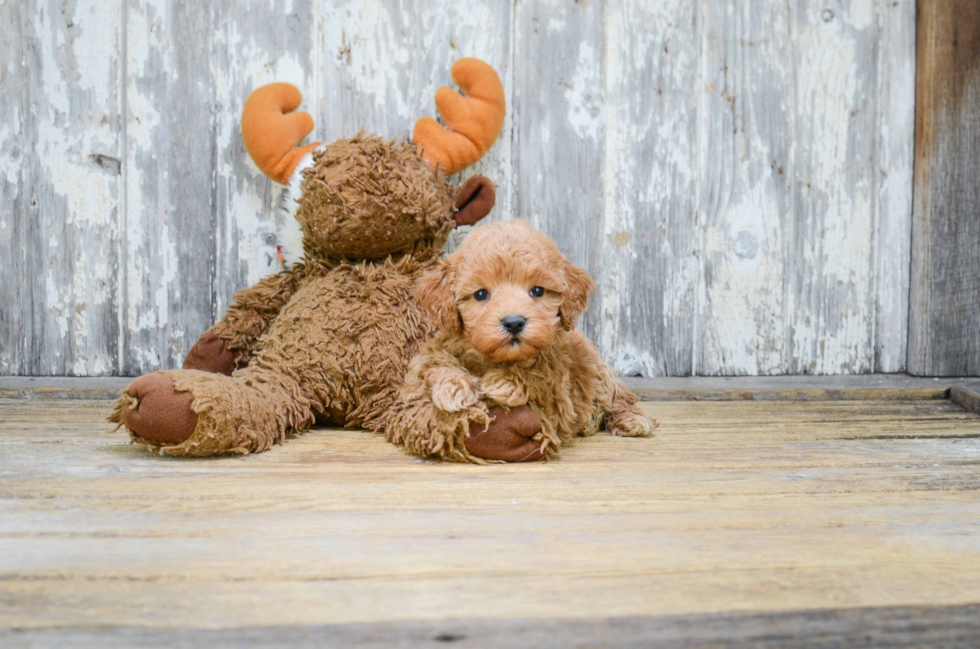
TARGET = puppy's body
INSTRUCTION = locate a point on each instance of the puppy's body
(506, 302)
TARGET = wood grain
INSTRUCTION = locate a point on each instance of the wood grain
(15, 292)
(894, 154)
(651, 154)
(745, 198)
(945, 295)
(794, 144)
(758, 507)
(792, 388)
(169, 248)
(60, 300)
(951, 627)
(967, 395)
(649, 270)
(830, 248)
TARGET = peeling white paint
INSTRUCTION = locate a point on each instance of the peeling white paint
(753, 214)
(584, 94)
(11, 160)
(75, 196)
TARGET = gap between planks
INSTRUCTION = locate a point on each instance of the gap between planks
(963, 391)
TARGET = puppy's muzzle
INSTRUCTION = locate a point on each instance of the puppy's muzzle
(513, 324)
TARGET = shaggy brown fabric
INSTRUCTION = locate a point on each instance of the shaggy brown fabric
(330, 338)
(211, 354)
(367, 198)
(156, 409)
(254, 309)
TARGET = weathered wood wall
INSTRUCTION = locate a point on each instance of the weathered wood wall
(944, 328)
(736, 175)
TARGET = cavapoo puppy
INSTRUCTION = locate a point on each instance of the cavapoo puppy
(506, 303)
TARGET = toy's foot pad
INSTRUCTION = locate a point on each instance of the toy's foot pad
(159, 412)
(509, 437)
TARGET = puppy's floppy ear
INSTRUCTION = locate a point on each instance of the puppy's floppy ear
(575, 298)
(435, 292)
(474, 200)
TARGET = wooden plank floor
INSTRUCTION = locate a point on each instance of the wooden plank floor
(738, 515)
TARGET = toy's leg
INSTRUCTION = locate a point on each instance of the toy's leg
(188, 412)
(230, 343)
(211, 354)
(618, 402)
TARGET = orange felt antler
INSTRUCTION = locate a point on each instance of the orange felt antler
(473, 121)
(271, 130)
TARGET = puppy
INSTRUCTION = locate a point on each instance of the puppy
(508, 377)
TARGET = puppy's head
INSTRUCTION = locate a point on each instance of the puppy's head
(507, 290)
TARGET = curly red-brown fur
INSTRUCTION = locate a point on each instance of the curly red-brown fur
(501, 271)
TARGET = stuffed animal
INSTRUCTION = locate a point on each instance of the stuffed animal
(330, 337)
(506, 303)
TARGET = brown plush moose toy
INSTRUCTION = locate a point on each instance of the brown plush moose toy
(330, 338)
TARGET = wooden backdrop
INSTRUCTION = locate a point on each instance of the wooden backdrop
(736, 174)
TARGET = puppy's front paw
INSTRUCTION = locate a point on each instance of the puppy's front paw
(633, 424)
(455, 392)
(503, 390)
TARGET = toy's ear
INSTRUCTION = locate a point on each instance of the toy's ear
(575, 298)
(435, 292)
(474, 200)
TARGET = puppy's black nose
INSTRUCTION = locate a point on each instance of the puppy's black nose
(514, 324)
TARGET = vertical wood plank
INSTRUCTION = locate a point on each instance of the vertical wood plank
(831, 257)
(788, 246)
(649, 248)
(382, 61)
(70, 184)
(893, 180)
(269, 42)
(944, 311)
(745, 194)
(170, 161)
(559, 138)
(16, 317)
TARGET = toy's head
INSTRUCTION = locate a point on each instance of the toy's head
(365, 197)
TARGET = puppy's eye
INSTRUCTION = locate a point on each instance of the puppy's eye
(537, 291)
(481, 295)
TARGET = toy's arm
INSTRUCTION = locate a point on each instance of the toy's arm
(228, 345)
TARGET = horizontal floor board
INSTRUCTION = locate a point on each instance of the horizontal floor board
(742, 505)
(891, 627)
